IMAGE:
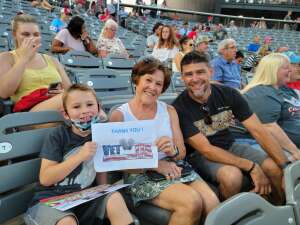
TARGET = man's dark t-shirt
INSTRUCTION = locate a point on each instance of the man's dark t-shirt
(223, 103)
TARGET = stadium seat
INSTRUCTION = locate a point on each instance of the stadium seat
(250, 209)
(292, 187)
(19, 162)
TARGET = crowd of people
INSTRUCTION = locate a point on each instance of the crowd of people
(195, 131)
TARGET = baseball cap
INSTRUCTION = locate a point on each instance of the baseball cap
(294, 59)
(202, 38)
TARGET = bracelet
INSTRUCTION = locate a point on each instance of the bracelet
(176, 151)
(252, 167)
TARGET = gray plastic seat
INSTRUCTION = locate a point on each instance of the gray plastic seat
(292, 187)
(20, 164)
(80, 59)
(250, 209)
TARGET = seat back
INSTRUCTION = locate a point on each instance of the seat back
(80, 59)
(292, 187)
(250, 209)
(105, 82)
(19, 161)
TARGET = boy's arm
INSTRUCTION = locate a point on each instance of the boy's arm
(52, 172)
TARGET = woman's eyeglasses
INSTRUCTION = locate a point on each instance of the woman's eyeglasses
(207, 117)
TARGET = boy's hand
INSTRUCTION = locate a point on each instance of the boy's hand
(87, 151)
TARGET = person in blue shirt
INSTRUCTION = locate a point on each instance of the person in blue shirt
(255, 45)
(185, 29)
(58, 24)
(226, 70)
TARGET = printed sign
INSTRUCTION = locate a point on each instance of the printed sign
(125, 145)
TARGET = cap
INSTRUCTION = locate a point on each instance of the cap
(294, 59)
(201, 39)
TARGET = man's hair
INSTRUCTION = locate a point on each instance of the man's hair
(194, 57)
(225, 43)
(76, 87)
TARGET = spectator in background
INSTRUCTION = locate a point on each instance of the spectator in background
(226, 70)
(193, 34)
(220, 33)
(186, 45)
(184, 30)
(252, 61)
(26, 75)
(108, 42)
(288, 17)
(294, 82)
(268, 42)
(74, 37)
(167, 46)
(44, 4)
(153, 38)
(255, 45)
(239, 57)
(202, 46)
(232, 27)
(60, 23)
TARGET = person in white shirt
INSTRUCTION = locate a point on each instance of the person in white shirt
(167, 46)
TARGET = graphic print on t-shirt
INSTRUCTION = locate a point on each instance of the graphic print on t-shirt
(83, 175)
(220, 121)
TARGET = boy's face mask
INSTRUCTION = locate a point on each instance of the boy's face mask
(84, 126)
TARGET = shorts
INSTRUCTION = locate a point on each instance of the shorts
(208, 169)
(86, 213)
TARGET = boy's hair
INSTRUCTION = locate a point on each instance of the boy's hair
(76, 87)
(194, 57)
(239, 54)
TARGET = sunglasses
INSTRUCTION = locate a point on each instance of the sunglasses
(207, 117)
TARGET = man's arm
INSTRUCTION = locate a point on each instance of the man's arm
(265, 139)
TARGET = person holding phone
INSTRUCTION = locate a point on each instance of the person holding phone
(26, 74)
(74, 37)
(172, 185)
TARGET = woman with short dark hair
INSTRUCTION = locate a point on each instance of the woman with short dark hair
(74, 37)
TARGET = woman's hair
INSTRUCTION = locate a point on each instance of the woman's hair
(75, 26)
(108, 24)
(170, 42)
(22, 18)
(148, 65)
(156, 26)
(266, 71)
(183, 40)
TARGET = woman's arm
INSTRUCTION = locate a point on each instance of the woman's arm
(176, 131)
(64, 77)
(56, 47)
(177, 60)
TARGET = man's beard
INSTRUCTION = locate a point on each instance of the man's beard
(202, 93)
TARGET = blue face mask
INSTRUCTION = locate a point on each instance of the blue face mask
(84, 126)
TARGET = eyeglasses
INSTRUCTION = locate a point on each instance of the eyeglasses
(207, 117)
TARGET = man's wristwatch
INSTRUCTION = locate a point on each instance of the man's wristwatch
(283, 166)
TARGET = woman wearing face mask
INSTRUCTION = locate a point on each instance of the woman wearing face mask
(26, 75)
(73, 37)
(167, 46)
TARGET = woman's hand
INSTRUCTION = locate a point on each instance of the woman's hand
(85, 36)
(28, 48)
(169, 169)
(165, 144)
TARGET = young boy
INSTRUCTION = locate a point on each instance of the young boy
(67, 166)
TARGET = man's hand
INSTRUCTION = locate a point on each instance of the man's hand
(261, 182)
(87, 151)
